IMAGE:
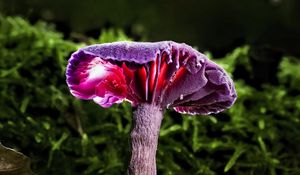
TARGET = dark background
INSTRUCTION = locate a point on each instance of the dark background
(214, 25)
(270, 27)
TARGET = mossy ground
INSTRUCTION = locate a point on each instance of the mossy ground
(62, 135)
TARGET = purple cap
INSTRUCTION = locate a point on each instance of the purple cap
(167, 74)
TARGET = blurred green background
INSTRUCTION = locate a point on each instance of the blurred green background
(256, 41)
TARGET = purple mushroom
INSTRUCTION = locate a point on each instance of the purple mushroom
(152, 77)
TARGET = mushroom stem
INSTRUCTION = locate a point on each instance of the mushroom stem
(144, 138)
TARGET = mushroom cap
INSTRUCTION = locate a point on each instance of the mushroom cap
(167, 74)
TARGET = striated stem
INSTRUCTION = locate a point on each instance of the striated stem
(144, 138)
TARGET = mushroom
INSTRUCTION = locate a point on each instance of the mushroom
(152, 77)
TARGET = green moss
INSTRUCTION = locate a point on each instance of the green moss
(63, 135)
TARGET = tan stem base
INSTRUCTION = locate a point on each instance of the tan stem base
(144, 138)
